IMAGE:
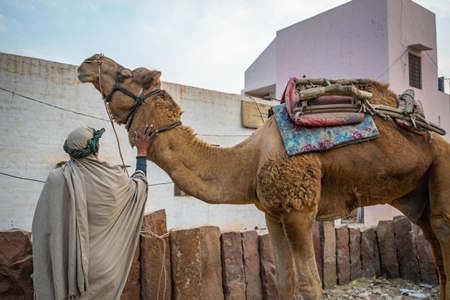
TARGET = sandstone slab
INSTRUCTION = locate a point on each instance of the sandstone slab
(388, 251)
(252, 267)
(369, 258)
(328, 248)
(355, 252)
(233, 266)
(156, 282)
(16, 265)
(196, 263)
(407, 254)
(428, 273)
(342, 255)
(268, 269)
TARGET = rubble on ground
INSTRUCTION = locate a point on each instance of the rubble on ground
(383, 289)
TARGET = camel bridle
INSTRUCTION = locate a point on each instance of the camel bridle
(138, 99)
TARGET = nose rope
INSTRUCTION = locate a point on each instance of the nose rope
(99, 63)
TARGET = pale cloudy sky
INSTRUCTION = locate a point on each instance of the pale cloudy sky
(207, 44)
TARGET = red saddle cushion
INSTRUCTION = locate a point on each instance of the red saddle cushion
(330, 119)
(291, 97)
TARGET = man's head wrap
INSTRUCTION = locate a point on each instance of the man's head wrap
(83, 141)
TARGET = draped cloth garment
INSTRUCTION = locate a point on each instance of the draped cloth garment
(86, 228)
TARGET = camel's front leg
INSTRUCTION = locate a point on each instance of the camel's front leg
(291, 237)
(283, 258)
(291, 195)
(298, 229)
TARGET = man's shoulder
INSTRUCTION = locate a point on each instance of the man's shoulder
(55, 175)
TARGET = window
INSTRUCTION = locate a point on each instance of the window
(415, 71)
(355, 217)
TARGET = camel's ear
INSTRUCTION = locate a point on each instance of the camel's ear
(147, 78)
(156, 77)
(156, 82)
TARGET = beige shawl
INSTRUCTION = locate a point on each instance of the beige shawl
(86, 228)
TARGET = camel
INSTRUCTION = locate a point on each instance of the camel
(404, 169)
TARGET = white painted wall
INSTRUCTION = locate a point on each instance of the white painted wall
(409, 23)
(346, 41)
(340, 43)
(34, 130)
(361, 38)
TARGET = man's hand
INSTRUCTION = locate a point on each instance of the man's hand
(143, 140)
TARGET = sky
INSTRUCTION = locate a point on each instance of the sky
(207, 44)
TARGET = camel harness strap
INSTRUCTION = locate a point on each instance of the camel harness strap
(138, 100)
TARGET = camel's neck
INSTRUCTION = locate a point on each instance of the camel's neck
(212, 174)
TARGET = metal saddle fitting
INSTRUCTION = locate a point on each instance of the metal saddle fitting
(408, 97)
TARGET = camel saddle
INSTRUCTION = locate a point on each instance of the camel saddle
(332, 105)
(321, 102)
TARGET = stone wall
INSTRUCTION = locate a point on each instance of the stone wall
(205, 263)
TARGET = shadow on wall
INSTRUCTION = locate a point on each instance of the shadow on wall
(205, 263)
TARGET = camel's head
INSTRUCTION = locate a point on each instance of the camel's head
(99, 65)
(121, 88)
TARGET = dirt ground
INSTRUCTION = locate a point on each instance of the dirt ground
(396, 289)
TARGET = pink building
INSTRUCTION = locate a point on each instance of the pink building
(389, 40)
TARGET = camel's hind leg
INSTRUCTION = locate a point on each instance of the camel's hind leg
(435, 246)
(293, 230)
(439, 186)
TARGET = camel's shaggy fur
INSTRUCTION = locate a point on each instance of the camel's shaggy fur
(287, 187)
(400, 168)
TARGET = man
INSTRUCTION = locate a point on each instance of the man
(87, 221)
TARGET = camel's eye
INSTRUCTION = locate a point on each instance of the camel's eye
(120, 77)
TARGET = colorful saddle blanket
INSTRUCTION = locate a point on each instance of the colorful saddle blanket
(299, 139)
